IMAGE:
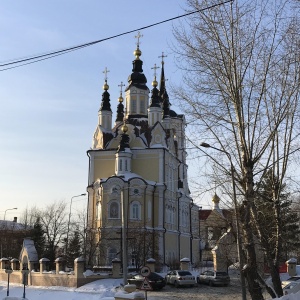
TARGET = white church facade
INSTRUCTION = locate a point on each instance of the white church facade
(138, 194)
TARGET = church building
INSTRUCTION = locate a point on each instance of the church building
(138, 194)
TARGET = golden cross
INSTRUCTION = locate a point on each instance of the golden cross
(138, 36)
(105, 73)
(121, 87)
(155, 68)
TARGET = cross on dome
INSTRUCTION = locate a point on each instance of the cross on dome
(138, 36)
(162, 57)
(105, 86)
(121, 87)
(155, 68)
(154, 82)
(105, 73)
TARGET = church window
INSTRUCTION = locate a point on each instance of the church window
(114, 210)
(121, 163)
(126, 165)
(149, 210)
(157, 139)
(135, 210)
(111, 255)
(142, 105)
(133, 105)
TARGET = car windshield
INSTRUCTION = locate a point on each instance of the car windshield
(184, 273)
(154, 276)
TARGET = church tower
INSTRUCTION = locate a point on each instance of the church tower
(138, 170)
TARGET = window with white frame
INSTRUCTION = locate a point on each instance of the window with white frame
(135, 210)
(114, 210)
(111, 255)
(142, 105)
(133, 104)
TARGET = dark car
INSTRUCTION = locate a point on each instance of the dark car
(156, 281)
(214, 278)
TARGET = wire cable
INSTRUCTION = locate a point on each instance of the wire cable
(38, 58)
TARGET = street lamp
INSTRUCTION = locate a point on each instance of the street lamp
(25, 273)
(239, 245)
(7, 210)
(67, 241)
(8, 271)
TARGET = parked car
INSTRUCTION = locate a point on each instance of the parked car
(214, 278)
(292, 285)
(180, 278)
(156, 281)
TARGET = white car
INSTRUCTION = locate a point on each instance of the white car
(180, 278)
(291, 287)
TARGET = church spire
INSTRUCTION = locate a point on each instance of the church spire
(162, 83)
(105, 104)
(155, 99)
(137, 78)
(154, 110)
(137, 92)
(163, 91)
(120, 108)
(105, 113)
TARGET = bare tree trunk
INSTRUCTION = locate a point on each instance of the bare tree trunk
(251, 270)
(241, 64)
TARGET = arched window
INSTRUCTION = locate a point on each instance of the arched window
(149, 210)
(135, 210)
(112, 254)
(114, 210)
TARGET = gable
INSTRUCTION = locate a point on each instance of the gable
(158, 136)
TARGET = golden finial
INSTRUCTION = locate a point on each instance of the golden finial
(138, 52)
(105, 86)
(216, 198)
(154, 82)
(124, 127)
(120, 99)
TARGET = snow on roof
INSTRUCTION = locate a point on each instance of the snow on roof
(28, 245)
(185, 259)
(11, 225)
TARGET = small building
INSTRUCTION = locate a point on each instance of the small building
(12, 234)
(213, 224)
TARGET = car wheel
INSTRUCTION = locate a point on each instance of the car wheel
(176, 284)
(210, 283)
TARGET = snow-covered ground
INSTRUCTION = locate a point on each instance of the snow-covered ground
(104, 289)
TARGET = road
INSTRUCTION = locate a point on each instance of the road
(199, 292)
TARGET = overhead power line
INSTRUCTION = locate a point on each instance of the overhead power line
(16, 63)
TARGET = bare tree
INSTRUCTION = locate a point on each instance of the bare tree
(142, 245)
(28, 216)
(53, 219)
(241, 92)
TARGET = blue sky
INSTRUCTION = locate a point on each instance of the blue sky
(49, 109)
